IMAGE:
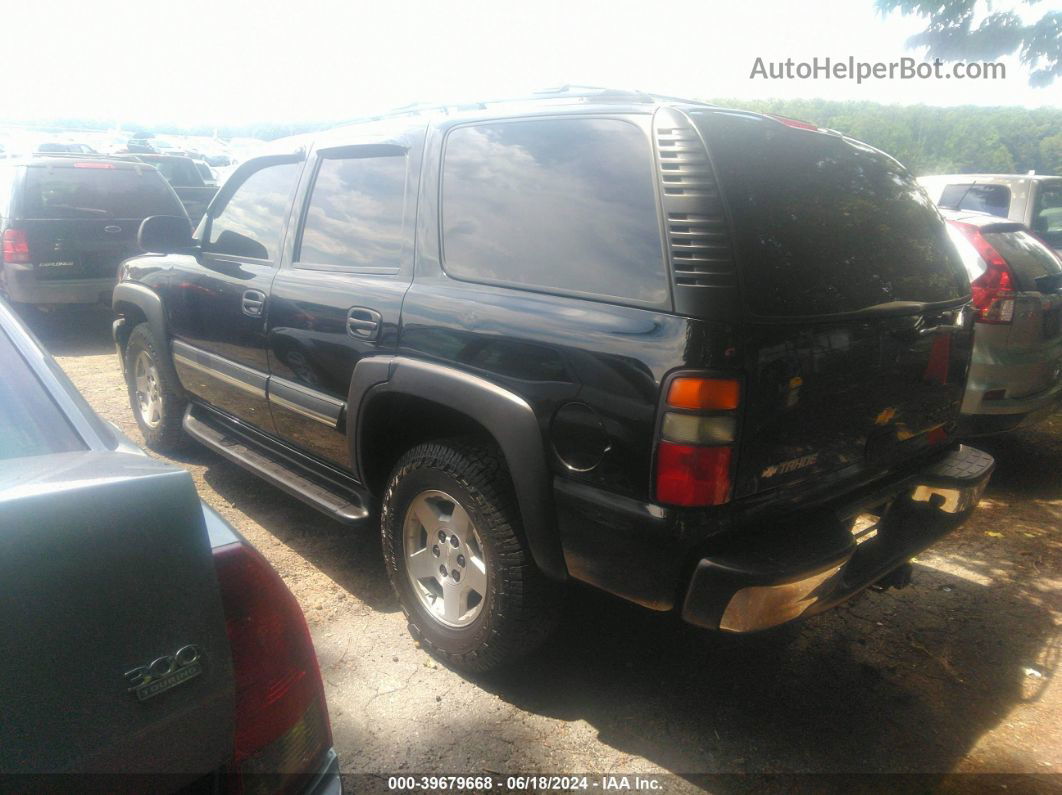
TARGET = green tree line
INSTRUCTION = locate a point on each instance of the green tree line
(935, 140)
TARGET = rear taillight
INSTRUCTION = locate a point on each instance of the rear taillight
(282, 727)
(694, 455)
(16, 246)
(993, 291)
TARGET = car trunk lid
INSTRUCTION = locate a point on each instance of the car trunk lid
(117, 658)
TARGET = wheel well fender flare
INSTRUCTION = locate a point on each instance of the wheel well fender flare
(507, 417)
(150, 305)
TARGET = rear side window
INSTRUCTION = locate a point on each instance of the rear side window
(561, 205)
(1047, 215)
(30, 422)
(252, 220)
(354, 218)
(991, 199)
(96, 190)
(1028, 258)
(826, 225)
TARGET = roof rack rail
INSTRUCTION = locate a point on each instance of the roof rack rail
(566, 91)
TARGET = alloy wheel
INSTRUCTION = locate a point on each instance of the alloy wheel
(444, 559)
(148, 390)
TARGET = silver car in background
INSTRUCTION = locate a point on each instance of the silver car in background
(1016, 281)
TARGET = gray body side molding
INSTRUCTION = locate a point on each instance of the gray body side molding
(147, 301)
(505, 415)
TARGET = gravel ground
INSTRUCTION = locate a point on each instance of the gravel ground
(952, 674)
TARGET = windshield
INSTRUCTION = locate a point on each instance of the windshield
(71, 192)
(826, 225)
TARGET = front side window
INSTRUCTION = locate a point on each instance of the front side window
(355, 215)
(252, 221)
(563, 205)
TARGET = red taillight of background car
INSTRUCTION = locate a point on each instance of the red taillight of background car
(694, 455)
(282, 727)
(993, 291)
(16, 246)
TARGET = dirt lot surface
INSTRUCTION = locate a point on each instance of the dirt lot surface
(955, 673)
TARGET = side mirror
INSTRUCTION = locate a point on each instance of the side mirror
(165, 234)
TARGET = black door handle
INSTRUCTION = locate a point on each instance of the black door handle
(253, 303)
(363, 323)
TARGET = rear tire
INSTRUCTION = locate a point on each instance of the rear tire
(155, 393)
(505, 607)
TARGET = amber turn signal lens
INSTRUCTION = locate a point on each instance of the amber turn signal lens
(704, 393)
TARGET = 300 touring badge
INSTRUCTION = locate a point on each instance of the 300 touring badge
(164, 673)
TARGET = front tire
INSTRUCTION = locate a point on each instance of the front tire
(457, 558)
(155, 394)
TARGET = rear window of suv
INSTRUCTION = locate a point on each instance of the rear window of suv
(96, 191)
(825, 225)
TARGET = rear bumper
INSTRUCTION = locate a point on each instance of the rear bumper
(781, 573)
(1035, 375)
(994, 416)
(23, 286)
(766, 566)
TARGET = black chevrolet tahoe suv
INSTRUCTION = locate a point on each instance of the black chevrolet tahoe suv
(710, 361)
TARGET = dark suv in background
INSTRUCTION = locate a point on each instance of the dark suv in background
(708, 360)
(68, 221)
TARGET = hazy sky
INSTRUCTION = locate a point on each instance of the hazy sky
(196, 61)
